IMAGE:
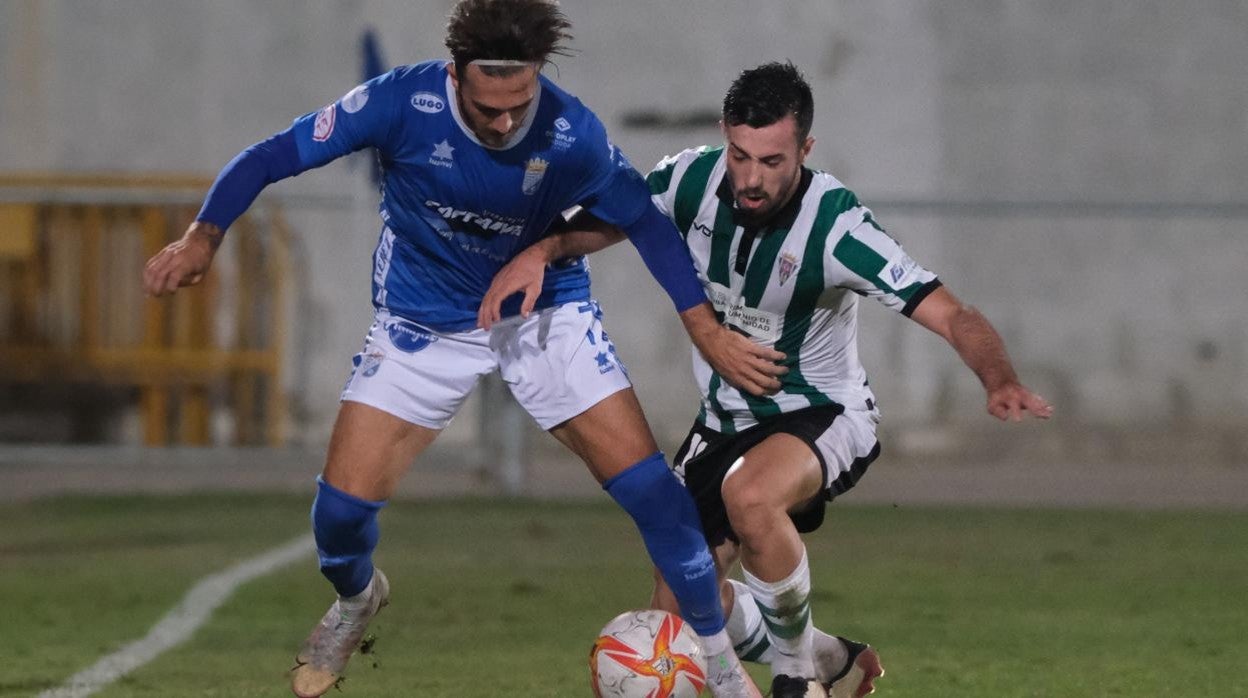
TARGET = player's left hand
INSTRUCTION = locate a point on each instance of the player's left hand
(524, 273)
(1011, 400)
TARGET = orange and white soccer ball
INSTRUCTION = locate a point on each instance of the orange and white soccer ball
(647, 654)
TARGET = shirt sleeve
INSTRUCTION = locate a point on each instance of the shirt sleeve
(667, 257)
(616, 193)
(241, 181)
(864, 259)
(363, 117)
(312, 140)
(613, 190)
(659, 181)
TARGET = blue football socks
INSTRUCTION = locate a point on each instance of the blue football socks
(346, 532)
(668, 521)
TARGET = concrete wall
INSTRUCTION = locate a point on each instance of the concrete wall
(1127, 308)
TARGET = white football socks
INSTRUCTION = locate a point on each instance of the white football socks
(785, 608)
(745, 626)
(724, 674)
(717, 643)
(749, 636)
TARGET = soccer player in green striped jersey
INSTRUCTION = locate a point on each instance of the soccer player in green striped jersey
(784, 252)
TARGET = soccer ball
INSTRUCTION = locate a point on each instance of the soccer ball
(647, 654)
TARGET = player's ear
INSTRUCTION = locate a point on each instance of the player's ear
(810, 143)
(450, 69)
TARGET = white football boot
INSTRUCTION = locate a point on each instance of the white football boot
(324, 655)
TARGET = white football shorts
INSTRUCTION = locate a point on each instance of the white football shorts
(557, 363)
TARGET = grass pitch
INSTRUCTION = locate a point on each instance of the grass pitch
(498, 598)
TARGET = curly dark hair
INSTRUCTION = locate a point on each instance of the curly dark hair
(517, 30)
(764, 95)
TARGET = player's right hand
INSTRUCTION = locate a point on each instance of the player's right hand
(1011, 400)
(183, 262)
(738, 359)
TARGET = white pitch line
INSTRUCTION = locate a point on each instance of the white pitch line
(180, 623)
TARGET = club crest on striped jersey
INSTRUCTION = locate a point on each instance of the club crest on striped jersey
(534, 171)
(786, 266)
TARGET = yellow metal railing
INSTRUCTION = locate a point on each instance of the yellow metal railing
(73, 312)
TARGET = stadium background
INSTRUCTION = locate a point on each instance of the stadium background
(1074, 170)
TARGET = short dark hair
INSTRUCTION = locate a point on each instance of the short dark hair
(516, 30)
(764, 95)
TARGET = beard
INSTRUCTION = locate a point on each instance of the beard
(764, 205)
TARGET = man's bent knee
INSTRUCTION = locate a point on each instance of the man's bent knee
(749, 502)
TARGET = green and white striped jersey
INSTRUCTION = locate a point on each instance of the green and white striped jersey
(792, 284)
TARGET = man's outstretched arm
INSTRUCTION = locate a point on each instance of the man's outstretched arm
(983, 351)
(313, 140)
(739, 360)
(185, 261)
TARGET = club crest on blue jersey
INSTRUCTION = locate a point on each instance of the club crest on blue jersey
(407, 336)
(534, 171)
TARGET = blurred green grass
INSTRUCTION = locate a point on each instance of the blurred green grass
(503, 597)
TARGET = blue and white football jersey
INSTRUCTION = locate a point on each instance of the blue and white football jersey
(455, 211)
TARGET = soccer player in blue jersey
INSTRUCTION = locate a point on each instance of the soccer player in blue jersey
(480, 154)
